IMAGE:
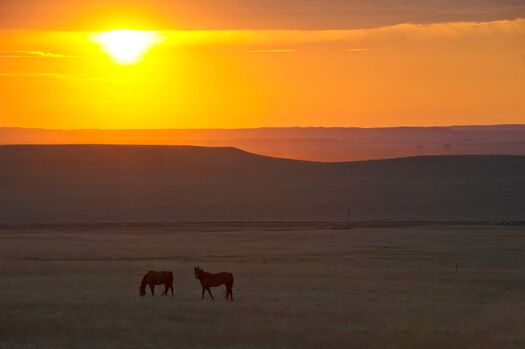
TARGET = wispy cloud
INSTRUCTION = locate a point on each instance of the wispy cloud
(43, 76)
(358, 50)
(273, 51)
(52, 76)
(270, 41)
(32, 54)
(448, 31)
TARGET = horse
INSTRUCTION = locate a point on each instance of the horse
(153, 278)
(213, 280)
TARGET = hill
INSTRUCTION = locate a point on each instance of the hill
(314, 144)
(110, 183)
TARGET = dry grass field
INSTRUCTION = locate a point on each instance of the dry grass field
(296, 286)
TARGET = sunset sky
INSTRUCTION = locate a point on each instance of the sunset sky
(254, 63)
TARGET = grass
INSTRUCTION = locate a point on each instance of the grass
(358, 288)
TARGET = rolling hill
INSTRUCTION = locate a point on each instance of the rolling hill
(63, 184)
(310, 143)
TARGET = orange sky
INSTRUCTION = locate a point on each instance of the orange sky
(380, 72)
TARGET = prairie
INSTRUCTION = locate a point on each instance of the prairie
(297, 285)
(70, 184)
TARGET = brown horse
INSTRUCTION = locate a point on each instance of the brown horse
(153, 278)
(213, 280)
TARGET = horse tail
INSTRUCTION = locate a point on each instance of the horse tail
(230, 288)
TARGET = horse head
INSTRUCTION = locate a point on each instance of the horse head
(142, 288)
(197, 272)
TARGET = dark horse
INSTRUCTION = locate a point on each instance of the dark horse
(153, 278)
(213, 280)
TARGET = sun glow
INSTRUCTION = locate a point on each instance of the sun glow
(126, 46)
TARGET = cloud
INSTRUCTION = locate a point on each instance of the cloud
(52, 76)
(32, 54)
(249, 14)
(400, 32)
(77, 43)
(358, 50)
(273, 51)
(45, 76)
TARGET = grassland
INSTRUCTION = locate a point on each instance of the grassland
(296, 286)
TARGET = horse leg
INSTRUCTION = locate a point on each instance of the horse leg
(203, 290)
(171, 286)
(152, 288)
(165, 292)
(209, 291)
(231, 294)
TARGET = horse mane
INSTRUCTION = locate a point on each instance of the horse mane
(202, 273)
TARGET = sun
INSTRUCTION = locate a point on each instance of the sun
(126, 46)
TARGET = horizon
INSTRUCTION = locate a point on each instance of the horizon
(302, 143)
(266, 127)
